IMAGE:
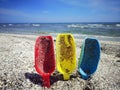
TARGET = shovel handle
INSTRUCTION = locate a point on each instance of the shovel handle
(46, 80)
(66, 76)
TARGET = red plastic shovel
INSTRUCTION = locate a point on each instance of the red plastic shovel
(44, 58)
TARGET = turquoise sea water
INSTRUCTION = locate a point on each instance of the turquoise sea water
(104, 29)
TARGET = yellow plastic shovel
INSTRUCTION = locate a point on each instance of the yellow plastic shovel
(65, 54)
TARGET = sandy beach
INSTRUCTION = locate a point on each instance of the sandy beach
(17, 70)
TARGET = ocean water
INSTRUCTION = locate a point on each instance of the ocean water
(103, 29)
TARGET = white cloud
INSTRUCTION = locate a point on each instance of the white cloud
(95, 4)
(12, 12)
(45, 12)
(80, 3)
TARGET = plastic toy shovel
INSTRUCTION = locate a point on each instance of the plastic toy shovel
(44, 58)
(66, 54)
(89, 58)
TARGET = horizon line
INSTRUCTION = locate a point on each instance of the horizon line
(55, 22)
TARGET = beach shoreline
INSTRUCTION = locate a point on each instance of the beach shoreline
(17, 64)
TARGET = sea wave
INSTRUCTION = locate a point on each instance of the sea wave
(95, 25)
(26, 24)
(77, 26)
(106, 29)
(4, 25)
(118, 25)
(10, 24)
(86, 26)
(36, 25)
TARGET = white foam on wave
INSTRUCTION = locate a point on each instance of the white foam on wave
(95, 25)
(85, 25)
(77, 26)
(108, 25)
(36, 25)
(10, 24)
(72, 25)
(4, 25)
(118, 25)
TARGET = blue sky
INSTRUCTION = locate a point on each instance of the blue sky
(12, 11)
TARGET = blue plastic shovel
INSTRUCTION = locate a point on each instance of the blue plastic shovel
(89, 58)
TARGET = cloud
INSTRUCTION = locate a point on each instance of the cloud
(81, 3)
(45, 12)
(23, 15)
(12, 12)
(95, 4)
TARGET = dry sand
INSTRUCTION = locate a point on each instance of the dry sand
(17, 70)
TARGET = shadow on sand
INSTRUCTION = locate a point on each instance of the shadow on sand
(37, 79)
